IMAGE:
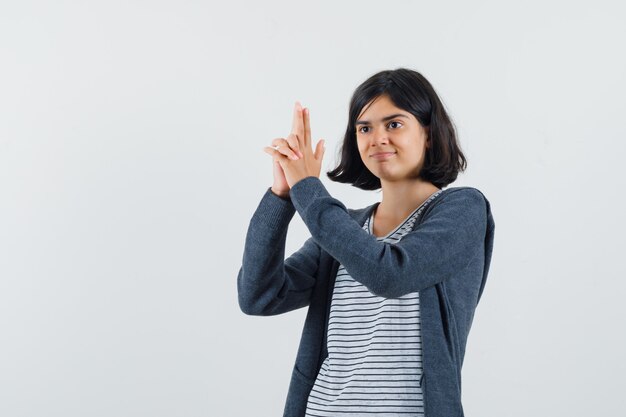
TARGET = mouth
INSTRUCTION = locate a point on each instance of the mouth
(383, 155)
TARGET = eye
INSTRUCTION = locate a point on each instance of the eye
(360, 130)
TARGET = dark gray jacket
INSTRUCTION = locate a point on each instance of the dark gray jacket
(445, 257)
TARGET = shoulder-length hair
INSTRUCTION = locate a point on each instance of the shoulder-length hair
(410, 91)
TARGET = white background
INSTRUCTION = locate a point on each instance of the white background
(131, 136)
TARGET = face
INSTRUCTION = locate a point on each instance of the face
(391, 141)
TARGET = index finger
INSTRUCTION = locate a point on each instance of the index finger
(297, 126)
(307, 128)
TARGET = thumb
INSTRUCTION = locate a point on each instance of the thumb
(319, 149)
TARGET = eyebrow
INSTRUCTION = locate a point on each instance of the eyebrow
(384, 119)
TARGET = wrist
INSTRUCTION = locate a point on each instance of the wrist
(282, 194)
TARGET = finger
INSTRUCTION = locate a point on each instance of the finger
(319, 149)
(297, 120)
(296, 117)
(298, 123)
(268, 150)
(289, 147)
(284, 148)
(283, 143)
(294, 144)
(273, 153)
(307, 128)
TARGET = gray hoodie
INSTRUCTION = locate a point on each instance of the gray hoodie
(445, 257)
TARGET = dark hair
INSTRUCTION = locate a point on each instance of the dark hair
(410, 91)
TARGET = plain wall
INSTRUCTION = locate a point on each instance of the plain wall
(131, 161)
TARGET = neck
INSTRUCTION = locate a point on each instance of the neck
(401, 198)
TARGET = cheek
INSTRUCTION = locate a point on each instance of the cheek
(361, 148)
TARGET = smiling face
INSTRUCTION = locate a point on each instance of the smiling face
(391, 141)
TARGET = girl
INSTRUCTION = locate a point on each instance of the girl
(391, 288)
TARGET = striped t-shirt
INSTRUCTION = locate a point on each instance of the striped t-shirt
(374, 362)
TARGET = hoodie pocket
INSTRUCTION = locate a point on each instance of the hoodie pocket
(298, 394)
(302, 377)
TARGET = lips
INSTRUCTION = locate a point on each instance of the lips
(382, 155)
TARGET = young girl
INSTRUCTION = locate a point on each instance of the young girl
(391, 288)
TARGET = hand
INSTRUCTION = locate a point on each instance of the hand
(296, 168)
(289, 149)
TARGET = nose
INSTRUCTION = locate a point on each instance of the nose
(379, 137)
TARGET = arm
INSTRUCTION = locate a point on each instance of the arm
(444, 243)
(268, 284)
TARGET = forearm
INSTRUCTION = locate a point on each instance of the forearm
(267, 283)
(443, 244)
(259, 280)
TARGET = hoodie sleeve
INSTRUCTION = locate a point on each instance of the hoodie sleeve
(268, 284)
(451, 235)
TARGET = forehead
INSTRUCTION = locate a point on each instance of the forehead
(378, 106)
